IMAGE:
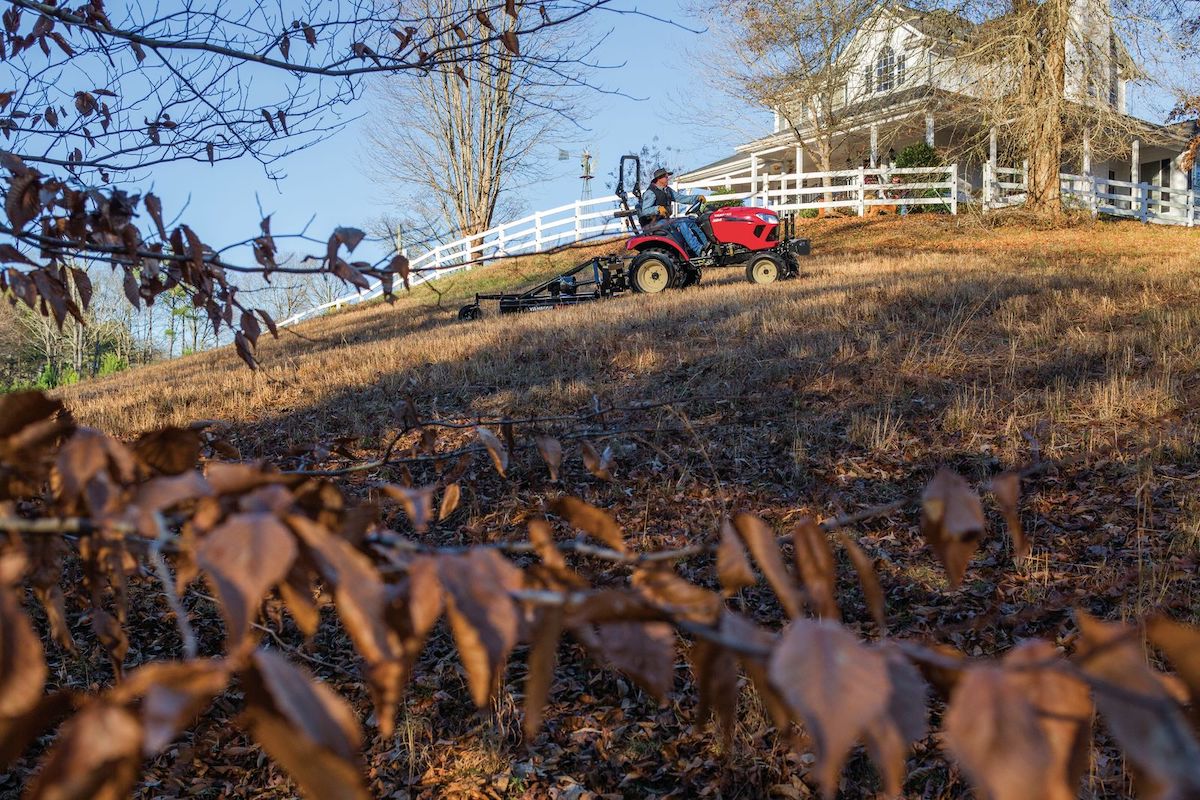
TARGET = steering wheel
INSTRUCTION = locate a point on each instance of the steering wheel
(693, 209)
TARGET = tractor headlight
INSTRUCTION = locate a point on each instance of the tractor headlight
(768, 218)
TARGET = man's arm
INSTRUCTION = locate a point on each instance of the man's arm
(685, 198)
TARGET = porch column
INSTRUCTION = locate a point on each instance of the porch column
(991, 188)
(929, 128)
(874, 145)
(753, 174)
(799, 173)
(1135, 166)
(1089, 182)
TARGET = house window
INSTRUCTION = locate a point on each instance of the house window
(889, 70)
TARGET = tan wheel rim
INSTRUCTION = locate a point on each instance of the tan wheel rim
(653, 276)
(765, 271)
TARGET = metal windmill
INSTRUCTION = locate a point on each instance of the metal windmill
(585, 170)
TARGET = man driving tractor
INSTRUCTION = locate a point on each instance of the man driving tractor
(656, 207)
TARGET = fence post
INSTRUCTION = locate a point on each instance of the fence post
(862, 192)
(954, 189)
(1144, 192)
(537, 232)
(500, 241)
(989, 187)
(578, 220)
(1093, 200)
(1190, 207)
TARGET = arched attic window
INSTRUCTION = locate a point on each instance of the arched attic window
(889, 69)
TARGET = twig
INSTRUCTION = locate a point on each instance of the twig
(168, 581)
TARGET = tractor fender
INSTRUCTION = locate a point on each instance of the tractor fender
(640, 243)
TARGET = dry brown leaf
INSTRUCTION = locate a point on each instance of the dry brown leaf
(296, 591)
(611, 605)
(227, 477)
(542, 656)
(170, 451)
(17, 733)
(552, 454)
(161, 493)
(764, 546)
(54, 604)
(814, 560)
(483, 616)
(645, 651)
(22, 665)
(890, 735)
(1138, 711)
(96, 756)
(591, 520)
(733, 565)
(738, 628)
(1006, 488)
(244, 557)
(1181, 645)
(496, 450)
(834, 684)
(599, 464)
(992, 730)
(361, 600)
(172, 694)
(952, 522)
(716, 672)
(869, 580)
(450, 500)
(541, 536)
(664, 589)
(306, 727)
(112, 638)
(1063, 706)
(415, 607)
(417, 503)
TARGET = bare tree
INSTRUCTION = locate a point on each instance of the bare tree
(801, 59)
(97, 100)
(1045, 74)
(455, 142)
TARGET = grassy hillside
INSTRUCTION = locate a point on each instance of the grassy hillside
(905, 345)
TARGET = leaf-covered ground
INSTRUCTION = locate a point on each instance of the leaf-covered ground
(906, 345)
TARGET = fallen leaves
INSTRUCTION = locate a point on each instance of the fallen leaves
(952, 522)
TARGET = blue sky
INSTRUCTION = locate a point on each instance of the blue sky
(330, 183)
(658, 68)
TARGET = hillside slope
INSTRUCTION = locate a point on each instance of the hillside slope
(907, 344)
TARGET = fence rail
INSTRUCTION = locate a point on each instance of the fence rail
(861, 190)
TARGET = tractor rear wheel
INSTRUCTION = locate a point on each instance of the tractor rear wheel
(765, 268)
(652, 272)
(470, 312)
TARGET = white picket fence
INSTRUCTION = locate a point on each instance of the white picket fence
(1146, 202)
(536, 233)
(859, 190)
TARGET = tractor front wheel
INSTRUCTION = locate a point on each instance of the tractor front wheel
(652, 272)
(764, 269)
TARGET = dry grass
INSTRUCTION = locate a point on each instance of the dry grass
(907, 344)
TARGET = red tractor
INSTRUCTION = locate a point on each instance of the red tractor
(754, 238)
(735, 236)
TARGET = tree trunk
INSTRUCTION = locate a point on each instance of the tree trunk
(1046, 77)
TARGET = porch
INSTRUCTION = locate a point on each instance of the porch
(1148, 184)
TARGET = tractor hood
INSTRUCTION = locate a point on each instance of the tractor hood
(753, 216)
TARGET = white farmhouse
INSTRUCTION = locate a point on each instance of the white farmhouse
(902, 88)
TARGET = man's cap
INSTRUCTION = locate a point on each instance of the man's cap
(660, 172)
